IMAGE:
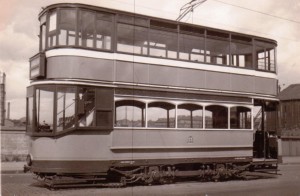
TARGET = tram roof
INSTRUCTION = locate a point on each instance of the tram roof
(114, 11)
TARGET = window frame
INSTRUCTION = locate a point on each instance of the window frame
(192, 117)
(177, 103)
(35, 131)
(55, 32)
(227, 119)
(168, 103)
(143, 116)
(251, 117)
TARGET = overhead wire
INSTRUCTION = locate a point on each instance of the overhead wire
(257, 11)
(258, 33)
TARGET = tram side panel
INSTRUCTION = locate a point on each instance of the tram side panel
(97, 152)
(144, 72)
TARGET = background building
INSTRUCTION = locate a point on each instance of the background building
(289, 120)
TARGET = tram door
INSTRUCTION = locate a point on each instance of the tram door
(265, 138)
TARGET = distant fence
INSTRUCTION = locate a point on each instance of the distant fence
(290, 145)
(14, 144)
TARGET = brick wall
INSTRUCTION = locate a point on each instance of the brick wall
(14, 145)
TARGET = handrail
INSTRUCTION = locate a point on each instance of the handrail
(256, 118)
(65, 108)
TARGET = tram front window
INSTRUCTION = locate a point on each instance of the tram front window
(44, 108)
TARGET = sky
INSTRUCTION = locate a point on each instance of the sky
(19, 30)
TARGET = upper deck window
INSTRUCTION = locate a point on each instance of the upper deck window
(137, 21)
(52, 29)
(43, 29)
(241, 49)
(132, 39)
(265, 56)
(140, 35)
(104, 30)
(67, 27)
(86, 33)
(191, 44)
(163, 40)
(217, 48)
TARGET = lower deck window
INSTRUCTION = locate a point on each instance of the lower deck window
(189, 116)
(161, 114)
(133, 113)
(130, 113)
(240, 118)
(56, 108)
(29, 111)
(216, 117)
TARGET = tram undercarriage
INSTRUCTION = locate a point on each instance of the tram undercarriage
(162, 174)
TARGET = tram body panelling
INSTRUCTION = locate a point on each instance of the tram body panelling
(116, 76)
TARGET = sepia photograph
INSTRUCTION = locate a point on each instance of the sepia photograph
(160, 97)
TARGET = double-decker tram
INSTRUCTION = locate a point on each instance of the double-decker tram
(118, 97)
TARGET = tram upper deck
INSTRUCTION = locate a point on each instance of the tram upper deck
(80, 42)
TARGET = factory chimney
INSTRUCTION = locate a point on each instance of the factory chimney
(8, 110)
(2, 98)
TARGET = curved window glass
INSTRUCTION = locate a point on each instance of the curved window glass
(29, 111)
(216, 117)
(265, 56)
(130, 113)
(86, 32)
(52, 29)
(161, 114)
(65, 112)
(189, 116)
(240, 118)
(44, 108)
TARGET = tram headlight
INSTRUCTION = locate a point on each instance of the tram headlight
(29, 160)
